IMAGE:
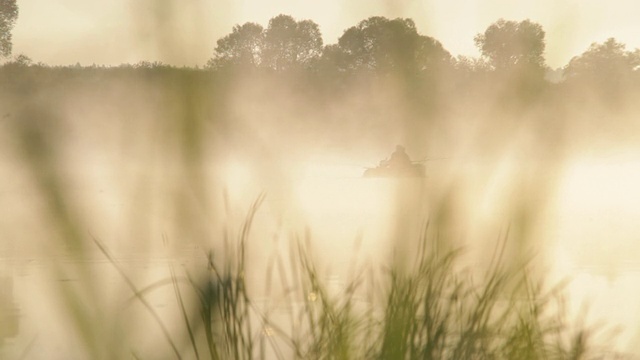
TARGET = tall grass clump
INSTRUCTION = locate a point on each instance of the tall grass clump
(434, 309)
(223, 304)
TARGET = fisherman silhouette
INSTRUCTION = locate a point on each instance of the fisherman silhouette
(399, 158)
(397, 166)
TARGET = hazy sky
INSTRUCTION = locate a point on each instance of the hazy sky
(185, 31)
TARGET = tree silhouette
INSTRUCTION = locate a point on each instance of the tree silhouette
(290, 43)
(8, 17)
(285, 44)
(243, 47)
(606, 70)
(515, 53)
(608, 61)
(384, 45)
(510, 44)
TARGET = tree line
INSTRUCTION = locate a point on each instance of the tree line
(511, 65)
(381, 75)
(385, 46)
(382, 46)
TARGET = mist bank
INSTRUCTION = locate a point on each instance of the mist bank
(175, 146)
(179, 145)
(430, 113)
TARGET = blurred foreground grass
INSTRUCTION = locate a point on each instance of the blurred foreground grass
(429, 306)
(431, 309)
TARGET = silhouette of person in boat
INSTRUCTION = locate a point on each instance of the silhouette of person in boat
(399, 158)
(398, 165)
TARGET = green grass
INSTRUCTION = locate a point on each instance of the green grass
(434, 309)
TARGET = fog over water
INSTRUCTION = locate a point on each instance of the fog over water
(121, 186)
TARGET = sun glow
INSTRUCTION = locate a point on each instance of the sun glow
(598, 204)
(338, 205)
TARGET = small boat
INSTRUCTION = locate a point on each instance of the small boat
(413, 170)
(399, 165)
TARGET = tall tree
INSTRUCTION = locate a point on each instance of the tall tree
(284, 45)
(607, 71)
(8, 17)
(514, 52)
(243, 47)
(609, 61)
(384, 45)
(510, 44)
(290, 43)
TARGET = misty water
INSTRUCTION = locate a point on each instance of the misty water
(587, 229)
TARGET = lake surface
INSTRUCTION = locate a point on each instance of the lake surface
(588, 224)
